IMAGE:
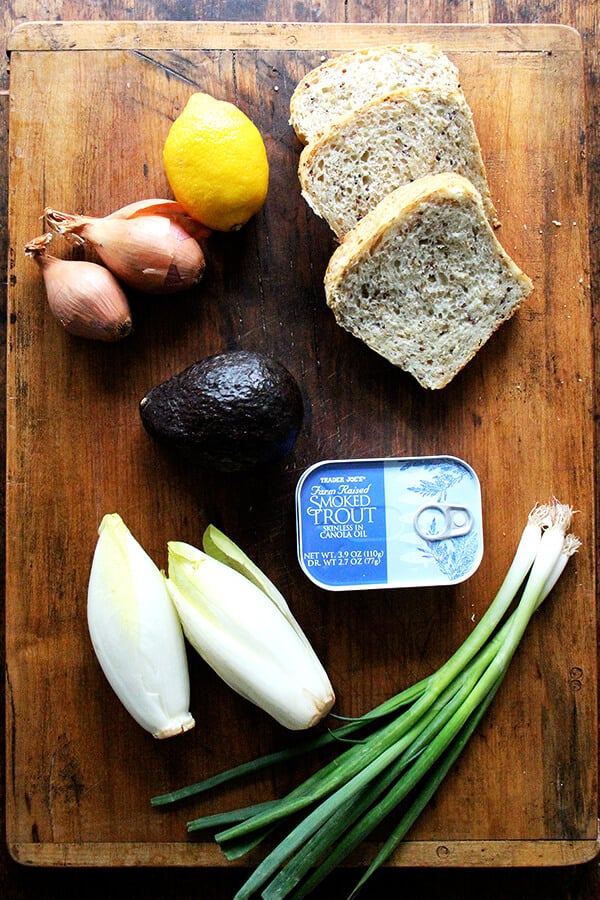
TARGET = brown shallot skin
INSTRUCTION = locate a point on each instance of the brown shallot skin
(85, 297)
(148, 251)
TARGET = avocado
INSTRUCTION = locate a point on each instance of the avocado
(232, 411)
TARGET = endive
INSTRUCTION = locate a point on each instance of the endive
(136, 633)
(250, 640)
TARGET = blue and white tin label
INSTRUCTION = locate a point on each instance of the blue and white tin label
(400, 522)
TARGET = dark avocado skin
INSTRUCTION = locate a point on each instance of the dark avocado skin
(230, 412)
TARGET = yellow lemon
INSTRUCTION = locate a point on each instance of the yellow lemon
(216, 163)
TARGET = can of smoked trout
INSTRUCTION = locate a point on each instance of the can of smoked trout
(389, 523)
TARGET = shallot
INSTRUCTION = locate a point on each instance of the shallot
(85, 297)
(147, 245)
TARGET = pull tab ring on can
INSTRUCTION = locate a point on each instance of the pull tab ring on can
(454, 521)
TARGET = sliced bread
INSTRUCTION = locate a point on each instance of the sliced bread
(423, 280)
(346, 82)
(386, 143)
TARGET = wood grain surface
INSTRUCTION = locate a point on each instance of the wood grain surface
(253, 297)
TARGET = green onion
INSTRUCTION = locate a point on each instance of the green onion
(393, 759)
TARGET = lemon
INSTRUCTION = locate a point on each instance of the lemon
(216, 163)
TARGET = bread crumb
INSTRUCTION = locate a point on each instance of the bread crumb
(556, 222)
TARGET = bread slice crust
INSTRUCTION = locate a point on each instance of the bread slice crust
(423, 280)
(386, 143)
(346, 82)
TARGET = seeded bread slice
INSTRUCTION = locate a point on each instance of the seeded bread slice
(385, 144)
(344, 83)
(423, 280)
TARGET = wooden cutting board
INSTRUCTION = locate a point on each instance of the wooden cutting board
(91, 104)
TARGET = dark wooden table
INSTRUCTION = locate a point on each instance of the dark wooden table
(582, 882)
